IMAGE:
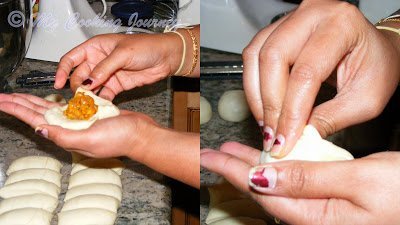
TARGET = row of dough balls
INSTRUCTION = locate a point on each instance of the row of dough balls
(94, 193)
(232, 107)
(30, 193)
(229, 206)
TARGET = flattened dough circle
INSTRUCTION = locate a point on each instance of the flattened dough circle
(106, 109)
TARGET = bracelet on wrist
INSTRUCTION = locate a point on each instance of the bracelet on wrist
(393, 18)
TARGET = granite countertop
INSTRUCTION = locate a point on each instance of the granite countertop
(146, 197)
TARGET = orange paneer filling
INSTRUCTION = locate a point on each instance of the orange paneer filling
(81, 107)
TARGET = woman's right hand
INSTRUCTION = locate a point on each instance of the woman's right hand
(360, 191)
(285, 64)
(120, 62)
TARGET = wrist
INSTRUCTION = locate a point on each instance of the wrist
(147, 138)
(393, 37)
(174, 50)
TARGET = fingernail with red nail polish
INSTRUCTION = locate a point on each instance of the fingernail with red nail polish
(278, 143)
(268, 138)
(261, 126)
(87, 82)
(42, 132)
(262, 177)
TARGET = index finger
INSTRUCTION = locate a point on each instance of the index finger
(69, 61)
(312, 67)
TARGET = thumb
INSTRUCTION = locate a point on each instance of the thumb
(65, 138)
(341, 112)
(305, 180)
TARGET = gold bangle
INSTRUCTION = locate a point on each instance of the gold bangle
(393, 18)
(388, 20)
(195, 53)
(389, 29)
(183, 51)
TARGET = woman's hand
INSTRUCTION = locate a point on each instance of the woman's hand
(120, 62)
(130, 134)
(285, 64)
(361, 191)
(105, 138)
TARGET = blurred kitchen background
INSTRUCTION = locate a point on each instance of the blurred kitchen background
(227, 26)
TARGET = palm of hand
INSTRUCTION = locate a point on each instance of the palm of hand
(105, 138)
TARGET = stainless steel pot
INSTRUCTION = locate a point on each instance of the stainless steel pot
(15, 35)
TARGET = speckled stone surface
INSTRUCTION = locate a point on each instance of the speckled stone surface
(146, 197)
(217, 131)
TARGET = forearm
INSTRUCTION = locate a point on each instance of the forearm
(175, 154)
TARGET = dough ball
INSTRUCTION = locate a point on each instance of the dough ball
(232, 106)
(38, 201)
(89, 189)
(311, 147)
(236, 208)
(87, 216)
(27, 216)
(29, 187)
(114, 164)
(56, 98)
(239, 221)
(36, 174)
(34, 162)
(91, 176)
(92, 201)
(205, 110)
(106, 109)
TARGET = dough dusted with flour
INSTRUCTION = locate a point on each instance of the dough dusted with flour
(114, 164)
(29, 187)
(239, 221)
(106, 109)
(39, 201)
(26, 216)
(34, 162)
(205, 110)
(90, 176)
(235, 208)
(36, 174)
(92, 201)
(311, 147)
(90, 189)
(57, 98)
(87, 216)
(232, 106)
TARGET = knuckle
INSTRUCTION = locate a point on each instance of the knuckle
(304, 72)
(346, 14)
(249, 52)
(326, 124)
(270, 54)
(288, 116)
(347, 8)
(271, 109)
(374, 107)
(297, 178)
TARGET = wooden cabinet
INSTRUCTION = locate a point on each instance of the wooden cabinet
(186, 111)
(186, 117)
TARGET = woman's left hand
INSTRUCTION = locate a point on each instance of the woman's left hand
(109, 137)
(360, 191)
